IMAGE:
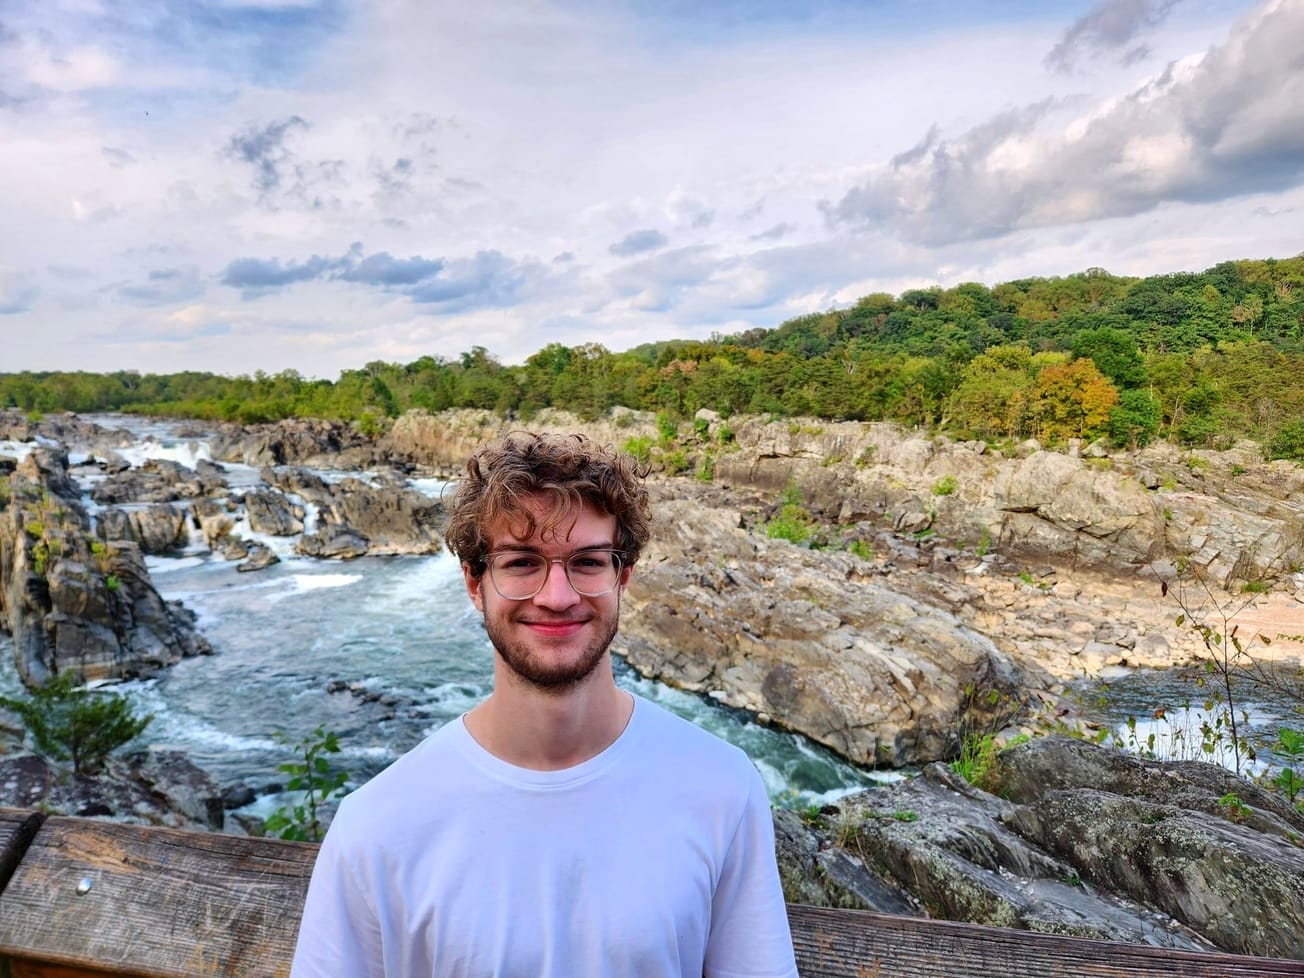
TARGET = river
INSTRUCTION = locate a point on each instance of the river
(399, 630)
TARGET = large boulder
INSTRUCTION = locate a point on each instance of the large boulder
(157, 529)
(819, 641)
(1078, 839)
(270, 512)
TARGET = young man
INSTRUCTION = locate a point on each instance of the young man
(563, 828)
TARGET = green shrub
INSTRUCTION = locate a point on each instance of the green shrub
(862, 549)
(945, 486)
(976, 760)
(794, 522)
(706, 468)
(640, 448)
(312, 773)
(1289, 441)
(702, 428)
(68, 722)
(725, 434)
(676, 462)
(666, 426)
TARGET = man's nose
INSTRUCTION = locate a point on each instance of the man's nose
(557, 590)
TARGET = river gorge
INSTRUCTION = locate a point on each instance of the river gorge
(943, 589)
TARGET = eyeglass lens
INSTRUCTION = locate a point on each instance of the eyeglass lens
(521, 574)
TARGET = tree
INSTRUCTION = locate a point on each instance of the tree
(1073, 400)
(68, 722)
(1114, 352)
(1135, 419)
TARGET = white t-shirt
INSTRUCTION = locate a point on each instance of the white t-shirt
(653, 859)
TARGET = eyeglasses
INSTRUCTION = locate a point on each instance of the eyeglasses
(518, 575)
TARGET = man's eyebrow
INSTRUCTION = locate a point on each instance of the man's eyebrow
(530, 548)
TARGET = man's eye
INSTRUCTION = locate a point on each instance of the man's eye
(590, 563)
(522, 564)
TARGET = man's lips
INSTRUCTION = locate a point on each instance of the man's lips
(556, 629)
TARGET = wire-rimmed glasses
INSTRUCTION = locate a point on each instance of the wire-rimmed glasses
(519, 575)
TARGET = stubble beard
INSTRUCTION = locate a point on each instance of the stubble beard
(537, 670)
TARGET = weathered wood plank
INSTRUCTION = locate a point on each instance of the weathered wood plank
(17, 828)
(37, 969)
(853, 944)
(161, 902)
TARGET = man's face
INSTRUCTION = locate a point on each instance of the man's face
(557, 638)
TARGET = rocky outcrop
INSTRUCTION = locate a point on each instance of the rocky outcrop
(1078, 840)
(821, 642)
(150, 787)
(271, 513)
(354, 517)
(69, 430)
(156, 529)
(294, 441)
(74, 602)
(158, 481)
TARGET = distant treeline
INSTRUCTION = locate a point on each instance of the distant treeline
(1201, 359)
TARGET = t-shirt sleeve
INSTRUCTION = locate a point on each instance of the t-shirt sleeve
(749, 920)
(339, 936)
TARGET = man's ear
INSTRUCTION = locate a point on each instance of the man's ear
(625, 573)
(474, 587)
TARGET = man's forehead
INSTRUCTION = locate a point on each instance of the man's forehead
(553, 520)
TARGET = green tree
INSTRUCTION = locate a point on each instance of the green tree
(70, 722)
(1134, 421)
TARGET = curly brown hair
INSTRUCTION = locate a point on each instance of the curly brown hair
(570, 469)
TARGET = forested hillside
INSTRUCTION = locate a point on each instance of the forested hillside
(1202, 359)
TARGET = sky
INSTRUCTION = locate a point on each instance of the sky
(241, 185)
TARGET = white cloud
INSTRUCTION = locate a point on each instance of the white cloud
(465, 151)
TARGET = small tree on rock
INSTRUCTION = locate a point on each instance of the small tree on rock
(71, 723)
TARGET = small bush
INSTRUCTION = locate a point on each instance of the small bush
(862, 549)
(68, 722)
(976, 760)
(706, 468)
(666, 426)
(945, 486)
(312, 773)
(640, 448)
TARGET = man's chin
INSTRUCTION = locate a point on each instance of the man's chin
(551, 677)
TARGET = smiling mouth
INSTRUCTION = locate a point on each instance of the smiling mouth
(560, 626)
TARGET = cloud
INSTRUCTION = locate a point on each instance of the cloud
(117, 157)
(485, 279)
(1225, 125)
(781, 230)
(164, 286)
(1109, 26)
(489, 278)
(383, 269)
(255, 275)
(264, 149)
(16, 293)
(637, 242)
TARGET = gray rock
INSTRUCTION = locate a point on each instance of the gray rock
(271, 513)
(1081, 840)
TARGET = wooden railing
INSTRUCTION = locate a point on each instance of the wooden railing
(81, 898)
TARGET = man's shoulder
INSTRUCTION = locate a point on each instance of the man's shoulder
(401, 787)
(673, 733)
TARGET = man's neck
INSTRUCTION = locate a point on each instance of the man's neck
(550, 730)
